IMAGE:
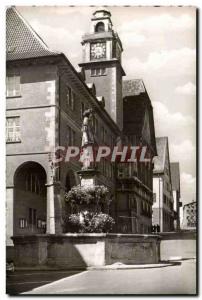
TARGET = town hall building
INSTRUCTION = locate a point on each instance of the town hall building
(45, 101)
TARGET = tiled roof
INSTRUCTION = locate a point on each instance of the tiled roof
(21, 40)
(136, 103)
(175, 175)
(133, 87)
(159, 161)
(133, 116)
(191, 204)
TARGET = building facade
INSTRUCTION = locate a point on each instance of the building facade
(45, 101)
(163, 204)
(175, 177)
(189, 215)
(134, 194)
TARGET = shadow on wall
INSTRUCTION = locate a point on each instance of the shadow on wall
(41, 252)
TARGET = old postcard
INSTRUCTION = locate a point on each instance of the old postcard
(101, 150)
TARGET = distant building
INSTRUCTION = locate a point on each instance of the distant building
(189, 215)
(175, 177)
(163, 208)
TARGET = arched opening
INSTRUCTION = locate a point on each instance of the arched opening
(100, 27)
(29, 199)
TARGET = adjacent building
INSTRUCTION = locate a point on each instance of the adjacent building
(175, 178)
(45, 101)
(163, 203)
(189, 215)
(134, 193)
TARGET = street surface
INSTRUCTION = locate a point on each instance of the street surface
(179, 278)
(175, 279)
(22, 281)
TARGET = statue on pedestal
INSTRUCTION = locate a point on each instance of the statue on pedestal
(87, 137)
(87, 140)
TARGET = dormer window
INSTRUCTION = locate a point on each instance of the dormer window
(100, 27)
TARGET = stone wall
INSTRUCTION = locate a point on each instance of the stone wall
(78, 251)
(178, 245)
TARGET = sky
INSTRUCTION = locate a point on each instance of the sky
(159, 47)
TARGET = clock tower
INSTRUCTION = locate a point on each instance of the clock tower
(102, 51)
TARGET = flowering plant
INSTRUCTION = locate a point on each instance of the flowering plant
(88, 222)
(86, 195)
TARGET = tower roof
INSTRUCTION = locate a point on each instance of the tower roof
(175, 175)
(159, 161)
(21, 39)
(102, 13)
(133, 87)
(136, 104)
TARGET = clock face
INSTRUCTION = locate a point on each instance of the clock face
(98, 50)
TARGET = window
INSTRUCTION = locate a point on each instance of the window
(100, 27)
(98, 72)
(70, 136)
(82, 109)
(105, 137)
(154, 197)
(33, 184)
(22, 223)
(12, 129)
(12, 86)
(103, 134)
(32, 216)
(41, 223)
(133, 203)
(95, 125)
(70, 98)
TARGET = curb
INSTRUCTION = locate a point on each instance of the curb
(128, 267)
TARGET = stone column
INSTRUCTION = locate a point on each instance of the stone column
(9, 215)
(50, 218)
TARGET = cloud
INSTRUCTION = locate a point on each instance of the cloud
(184, 151)
(188, 186)
(189, 89)
(168, 121)
(180, 130)
(160, 23)
(132, 39)
(176, 62)
(66, 39)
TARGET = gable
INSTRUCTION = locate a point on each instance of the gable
(21, 40)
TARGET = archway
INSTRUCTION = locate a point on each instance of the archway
(29, 199)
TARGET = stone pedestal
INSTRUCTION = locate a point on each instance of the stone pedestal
(88, 177)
